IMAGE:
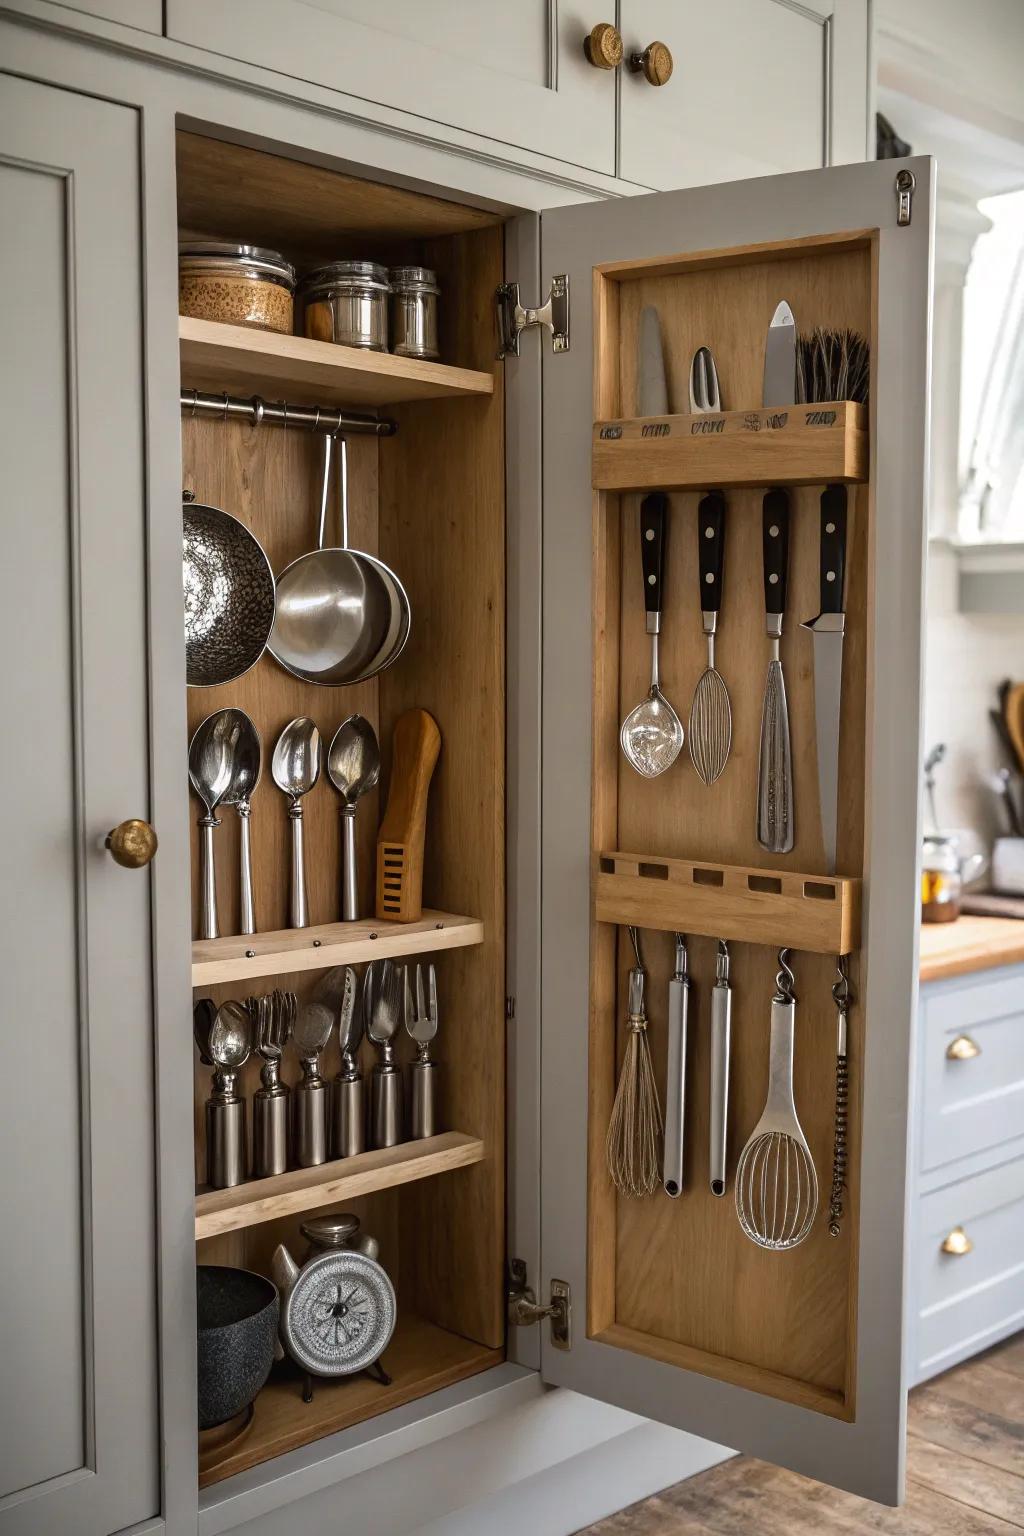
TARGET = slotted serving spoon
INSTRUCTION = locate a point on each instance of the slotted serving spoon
(776, 1181)
(652, 733)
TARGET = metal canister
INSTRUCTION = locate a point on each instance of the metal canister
(347, 302)
(414, 294)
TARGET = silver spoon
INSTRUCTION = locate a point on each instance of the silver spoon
(296, 768)
(244, 779)
(652, 733)
(211, 759)
(353, 763)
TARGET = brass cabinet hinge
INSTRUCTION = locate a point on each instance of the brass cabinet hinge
(906, 181)
(524, 1308)
(514, 317)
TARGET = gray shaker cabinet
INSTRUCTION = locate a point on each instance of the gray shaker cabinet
(77, 1264)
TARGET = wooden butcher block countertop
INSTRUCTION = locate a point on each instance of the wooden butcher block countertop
(970, 944)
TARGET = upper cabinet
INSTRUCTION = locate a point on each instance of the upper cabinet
(147, 15)
(757, 87)
(516, 76)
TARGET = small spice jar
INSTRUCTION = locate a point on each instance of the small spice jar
(414, 294)
(347, 302)
(236, 284)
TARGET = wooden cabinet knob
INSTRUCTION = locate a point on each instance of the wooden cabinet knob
(603, 47)
(655, 63)
(963, 1048)
(957, 1243)
(132, 844)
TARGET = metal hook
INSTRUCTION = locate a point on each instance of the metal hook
(257, 411)
(284, 408)
(634, 940)
(784, 979)
(227, 406)
(195, 401)
(316, 420)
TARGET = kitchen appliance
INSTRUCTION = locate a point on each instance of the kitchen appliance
(342, 615)
(711, 712)
(721, 1042)
(675, 1073)
(353, 763)
(295, 768)
(338, 1308)
(828, 630)
(421, 1027)
(415, 746)
(652, 733)
(776, 1181)
(775, 820)
(229, 596)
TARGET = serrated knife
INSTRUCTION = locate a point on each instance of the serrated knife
(775, 827)
(779, 387)
(828, 630)
(652, 390)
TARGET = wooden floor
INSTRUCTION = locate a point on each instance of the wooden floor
(965, 1474)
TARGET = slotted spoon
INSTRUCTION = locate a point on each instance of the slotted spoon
(652, 733)
(776, 1181)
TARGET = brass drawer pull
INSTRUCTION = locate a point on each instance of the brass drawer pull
(963, 1048)
(957, 1243)
(132, 844)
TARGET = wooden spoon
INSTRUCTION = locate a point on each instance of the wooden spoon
(1013, 711)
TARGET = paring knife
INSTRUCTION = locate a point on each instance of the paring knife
(828, 630)
(775, 821)
(780, 358)
(652, 390)
(721, 1025)
(675, 1074)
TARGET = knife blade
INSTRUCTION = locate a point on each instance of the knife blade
(779, 387)
(828, 630)
(652, 390)
(775, 822)
(675, 1073)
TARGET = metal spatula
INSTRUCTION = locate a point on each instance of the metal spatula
(711, 712)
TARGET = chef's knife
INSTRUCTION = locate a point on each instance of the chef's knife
(780, 358)
(828, 630)
(652, 390)
(675, 1072)
(775, 769)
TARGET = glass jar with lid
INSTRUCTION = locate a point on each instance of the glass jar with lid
(236, 284)
(347, 302)
(414, 294)
(943, 873)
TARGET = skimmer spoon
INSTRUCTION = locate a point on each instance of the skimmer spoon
(652, 734)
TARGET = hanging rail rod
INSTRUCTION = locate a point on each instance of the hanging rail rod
(260, 412)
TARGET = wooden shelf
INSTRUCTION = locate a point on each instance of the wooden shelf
(310, 1189)
(239, 360)
(819, 914)
(315, 949)
(796, 445)
(421, 1358)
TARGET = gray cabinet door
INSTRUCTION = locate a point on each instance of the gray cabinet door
(758, 86)
(516, 75)
(615, 1357)
(78, 1451)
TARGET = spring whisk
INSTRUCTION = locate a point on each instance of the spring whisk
(842, 997)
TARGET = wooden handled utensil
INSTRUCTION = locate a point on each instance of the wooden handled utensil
(416, 744)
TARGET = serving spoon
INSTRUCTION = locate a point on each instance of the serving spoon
(211, 762)
(295, 768)
(248, 763)
(353, 763)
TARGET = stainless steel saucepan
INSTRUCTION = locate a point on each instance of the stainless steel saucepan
(342, 615)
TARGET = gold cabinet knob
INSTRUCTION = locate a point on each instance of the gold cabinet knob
(957, 1243)
(603, 47)
(132, 844)
(963, 1048)
(655, 63)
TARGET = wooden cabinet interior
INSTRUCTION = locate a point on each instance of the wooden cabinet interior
(430, 502)
(677, 1280)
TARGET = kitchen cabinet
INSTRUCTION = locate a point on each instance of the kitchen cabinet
(147, 15)
(78, 1271)
(461, 501)
(795, 99)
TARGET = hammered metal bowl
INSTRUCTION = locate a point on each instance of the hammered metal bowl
(229, 596)
(237, 1316)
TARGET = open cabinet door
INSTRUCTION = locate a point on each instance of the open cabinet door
(792, 1355)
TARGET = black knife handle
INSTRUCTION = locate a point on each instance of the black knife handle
(775, 547)
(711, 549)
(833, 548)
(653, 518)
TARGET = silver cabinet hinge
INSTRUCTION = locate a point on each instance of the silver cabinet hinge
(524, 1308)
(513, 317)
(906, 181)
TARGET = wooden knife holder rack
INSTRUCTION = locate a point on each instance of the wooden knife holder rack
(676, 1279)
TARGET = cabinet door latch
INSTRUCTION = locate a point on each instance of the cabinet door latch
(524, 1308)
(514, 317)
(906, 181)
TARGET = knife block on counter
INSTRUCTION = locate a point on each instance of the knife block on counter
(677, 1279)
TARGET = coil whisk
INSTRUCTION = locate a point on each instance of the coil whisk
(841, 996)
